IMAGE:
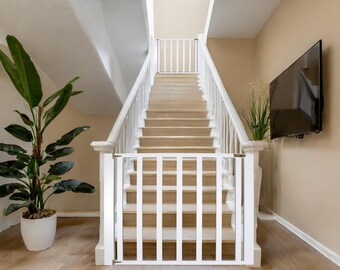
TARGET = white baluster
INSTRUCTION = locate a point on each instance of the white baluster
(238, 209)
(199, 206)
(120, 208)
(159, 214)
(179, 202)
(139, 200)
(218, 209)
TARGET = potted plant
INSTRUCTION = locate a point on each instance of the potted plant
(258, 119)
(34, 182)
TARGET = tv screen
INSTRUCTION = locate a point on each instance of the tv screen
(296, 97)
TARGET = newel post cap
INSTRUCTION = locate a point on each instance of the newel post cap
(255, 146)
(103, 146)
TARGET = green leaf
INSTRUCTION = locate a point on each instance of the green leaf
(23, 157)
(20, 196)
(9, 188)
(66, 138)
(30, 85)
(32, 168)
(59, 153)
(57, 94)
(25, 118)
(59, 105)
(14, 164)
(11, 149)
(20, 132)
(14, 207)
(61, 168)
(12, 72)
(72, 185)
(50, 178)
(11, 172)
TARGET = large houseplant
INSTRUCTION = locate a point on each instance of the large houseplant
(35, 182)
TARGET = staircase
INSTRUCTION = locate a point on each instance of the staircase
(176, 122)
(179, 178)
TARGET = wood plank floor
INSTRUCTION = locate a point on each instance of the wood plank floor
(77, 237)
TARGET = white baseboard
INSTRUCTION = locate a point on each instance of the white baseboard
(78, 214)
(329, 254)
(7, 222)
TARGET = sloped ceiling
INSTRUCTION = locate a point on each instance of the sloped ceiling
(239, 18)
(59, 42)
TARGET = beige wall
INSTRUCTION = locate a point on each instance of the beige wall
(87, 160)
(180, 18)
(305, 173)
(301, 180)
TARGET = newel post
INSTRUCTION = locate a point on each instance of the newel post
(104, 252)
(252, 149)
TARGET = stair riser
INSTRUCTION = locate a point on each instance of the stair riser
(176, 123)
(180, 100)
(170, 180)
(171, 95)
(179, 107)
(169, 220)
(160, 114)
(171, 165)
(176, 80)
(188, 249)
(176, 141)
(176, 131)
(175, 150)
(170, 197)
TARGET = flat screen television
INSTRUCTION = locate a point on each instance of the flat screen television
(296, 97)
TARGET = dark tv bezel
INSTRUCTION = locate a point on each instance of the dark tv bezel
(320, 103)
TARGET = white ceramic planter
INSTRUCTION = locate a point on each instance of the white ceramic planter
(38, 234)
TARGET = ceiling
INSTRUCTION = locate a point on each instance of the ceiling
(68, 38)
(239, 18)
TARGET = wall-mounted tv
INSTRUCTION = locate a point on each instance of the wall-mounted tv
(296, 97)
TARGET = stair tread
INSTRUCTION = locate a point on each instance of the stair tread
(174, 188)
(188, 234)
(172, 208)
(177, 118)
(167, 110)
(176, 137)
(168, 127)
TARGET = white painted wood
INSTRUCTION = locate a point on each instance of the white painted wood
(104, 249)
(119, 161)
(158, 55)
(139, 226)
(183, 55)
(177, 55)
(189, 41)
(179, 202)
(199, 203)
(249, 200)
(218, 209)
(159, 251)
(170, 55)
(164, 56)
(196, 56)
(171, 264)
(238, 210)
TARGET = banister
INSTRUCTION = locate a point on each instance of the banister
(242, 135)
(128, 102)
